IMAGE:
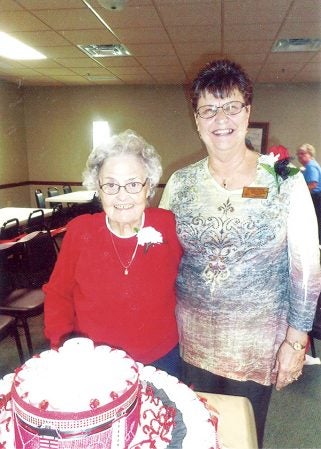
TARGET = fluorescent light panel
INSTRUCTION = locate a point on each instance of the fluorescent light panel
(104, 51)
(298, 44)
(11, 48)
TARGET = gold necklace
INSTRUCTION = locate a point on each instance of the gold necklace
(126, 267)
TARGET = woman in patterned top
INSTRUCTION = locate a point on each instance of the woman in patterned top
(249, 278)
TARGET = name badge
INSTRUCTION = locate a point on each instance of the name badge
(255, 192)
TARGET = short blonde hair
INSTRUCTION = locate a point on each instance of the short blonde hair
(307, 148)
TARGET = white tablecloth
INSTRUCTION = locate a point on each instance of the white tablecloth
(21, 213)
(79, 196)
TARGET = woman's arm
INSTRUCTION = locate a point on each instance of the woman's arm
(304, 272)
(59, 306)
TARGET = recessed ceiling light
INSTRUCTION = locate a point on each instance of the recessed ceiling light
(11, 48)
(104, 51)
(299, 44)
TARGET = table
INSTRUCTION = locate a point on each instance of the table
(236, 425)
(21, 213)
(79, 196)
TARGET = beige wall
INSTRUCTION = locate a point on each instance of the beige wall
(13, 150)
(58, 125)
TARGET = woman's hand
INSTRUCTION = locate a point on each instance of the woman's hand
(289, 362)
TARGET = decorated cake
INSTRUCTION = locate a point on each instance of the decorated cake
(83, 396)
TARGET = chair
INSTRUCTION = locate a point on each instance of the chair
(24, 267)
(53, 191)
(10, 229)
(36, 221)
(8, 328)
(57, 224)
(67, 189)
(40, 199)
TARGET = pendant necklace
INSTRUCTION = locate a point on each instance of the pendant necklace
(125, 266)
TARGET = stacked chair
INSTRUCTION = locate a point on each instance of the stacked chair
(10, 229)
(25, 266)
(53, 191)
(67, 189)
(40, 199)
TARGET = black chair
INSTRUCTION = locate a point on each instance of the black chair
(57, 224)
(53, 191)
(24, 267)
(10, 229)
(67, 189)
(8, 328)
(40, 199)
(36, 221)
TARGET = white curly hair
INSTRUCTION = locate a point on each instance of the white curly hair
(125, 143)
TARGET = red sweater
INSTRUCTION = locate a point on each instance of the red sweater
(89, 293)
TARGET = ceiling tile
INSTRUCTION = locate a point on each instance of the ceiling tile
(52, 4)
(117, 61)
(70, 19)
(63, 52)
(163, 60)
(195, 13)
(170, 39)
(9, 5)
(299, 30)
(40, 38)
(142, 35)
(194, 34)
(248, 47)
(20, 21)
(305, 11)
(77, 62)
(255, 11)
(90, 37)
(251, 31)
(151, 49)
(131, 17)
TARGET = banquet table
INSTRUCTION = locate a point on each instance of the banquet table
(78, 196)
(21, 213)
(236, 425)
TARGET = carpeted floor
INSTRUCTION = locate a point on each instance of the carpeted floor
(294, 420)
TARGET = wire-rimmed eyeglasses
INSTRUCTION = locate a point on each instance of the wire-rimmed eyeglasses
(230, 108)
(111, 188)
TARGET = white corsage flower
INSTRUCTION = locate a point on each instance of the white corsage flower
(280, 170)
(269, 159)
(149, 236)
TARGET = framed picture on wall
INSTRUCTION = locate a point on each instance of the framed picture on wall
(257, 136)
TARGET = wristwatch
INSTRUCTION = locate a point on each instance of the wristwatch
(296, 345)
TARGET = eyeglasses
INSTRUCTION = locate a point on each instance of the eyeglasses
(230, 108)
(111, 188)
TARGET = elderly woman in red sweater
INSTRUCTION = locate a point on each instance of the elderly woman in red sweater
(114, 280)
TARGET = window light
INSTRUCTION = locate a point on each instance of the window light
(101, 132)
(11, 48)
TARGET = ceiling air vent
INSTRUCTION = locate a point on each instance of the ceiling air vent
(303, 44)
(104, 51)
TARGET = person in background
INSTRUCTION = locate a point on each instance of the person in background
(312, 176)
(249, 278)
(114, 280)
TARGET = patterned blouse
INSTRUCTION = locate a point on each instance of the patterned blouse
(251, 268)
